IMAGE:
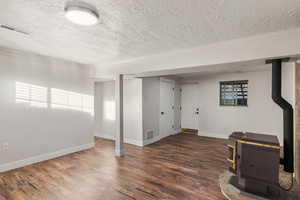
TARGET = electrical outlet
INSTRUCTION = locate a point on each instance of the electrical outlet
(5, 146)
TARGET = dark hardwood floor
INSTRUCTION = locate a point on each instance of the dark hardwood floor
(178, 167)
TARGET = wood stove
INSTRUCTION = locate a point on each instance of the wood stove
(254, 159)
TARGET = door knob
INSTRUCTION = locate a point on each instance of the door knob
(162, 113)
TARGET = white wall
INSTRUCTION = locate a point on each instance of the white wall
(133, 111)
(151, 106)
(261, 115)
(105, 110)
(177, 105)
(35, 133)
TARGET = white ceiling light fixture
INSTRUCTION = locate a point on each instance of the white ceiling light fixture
(81, 13)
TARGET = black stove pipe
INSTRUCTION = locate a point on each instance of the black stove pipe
(288, 115)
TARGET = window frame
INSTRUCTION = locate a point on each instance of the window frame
(233, 83)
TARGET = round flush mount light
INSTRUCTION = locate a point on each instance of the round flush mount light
(81, 13)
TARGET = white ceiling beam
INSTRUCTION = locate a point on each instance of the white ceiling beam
(255, 48)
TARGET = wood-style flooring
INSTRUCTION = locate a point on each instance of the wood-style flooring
(178, 167)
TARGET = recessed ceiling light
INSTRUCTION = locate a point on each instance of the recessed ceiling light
(81, 13)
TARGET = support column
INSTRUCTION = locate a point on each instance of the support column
(297, 121)
(119, 115)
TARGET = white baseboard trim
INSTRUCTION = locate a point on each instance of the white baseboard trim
(126, 140)
(105, 136)
(150, 141)
(44, 157)
(134, 142)
(159, 137)
(155, 139)
(212, 135)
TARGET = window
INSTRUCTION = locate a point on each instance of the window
(33, 95)
(110, 110)
(234, 93)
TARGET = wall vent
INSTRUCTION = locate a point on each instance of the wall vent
(149, 134)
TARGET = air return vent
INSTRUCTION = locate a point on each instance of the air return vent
(149, 134)
(14, 29)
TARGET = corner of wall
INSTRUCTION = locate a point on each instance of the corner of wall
(126, 140)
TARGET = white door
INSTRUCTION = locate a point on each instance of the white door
(166, 125)
(189, 106)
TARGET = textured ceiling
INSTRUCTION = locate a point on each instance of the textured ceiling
(139, 28)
